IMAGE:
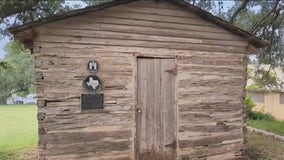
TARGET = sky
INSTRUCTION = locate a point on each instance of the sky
(5, 40)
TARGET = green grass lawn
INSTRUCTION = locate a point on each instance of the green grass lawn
(270, 126)
(18, 130)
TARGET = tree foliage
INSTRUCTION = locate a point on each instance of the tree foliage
(264, 79)
(16, 12)
(17, 75)
(268, 24)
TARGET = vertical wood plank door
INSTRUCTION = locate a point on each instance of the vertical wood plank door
(156, 110)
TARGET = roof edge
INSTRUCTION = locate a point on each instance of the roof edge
(77, 12)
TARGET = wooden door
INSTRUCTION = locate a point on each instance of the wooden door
(156, 110)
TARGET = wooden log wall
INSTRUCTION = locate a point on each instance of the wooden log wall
(210, 82)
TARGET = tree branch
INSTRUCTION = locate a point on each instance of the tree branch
(9, 9)
(242, 7)
(266, 17)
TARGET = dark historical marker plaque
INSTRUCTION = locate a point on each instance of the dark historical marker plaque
(92, 101)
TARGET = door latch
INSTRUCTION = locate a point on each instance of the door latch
(138, 111)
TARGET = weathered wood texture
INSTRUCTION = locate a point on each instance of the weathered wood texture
(156, 117)
(210, 82)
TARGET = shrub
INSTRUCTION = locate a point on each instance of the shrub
(249, 106)
(263, 116)
(256, 115)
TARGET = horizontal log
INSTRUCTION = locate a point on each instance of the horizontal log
(59, 110)
(76, 108)
(93, 146)
(81, 137)
(214, 116)
(80, 120)
(113, 35)
(50, 50)
(61, 97)
(105, 70)
(150, 4)
(206, 120)
(183, 59)
(188, 74)
(207, 106)
(209, 140)
(211, 151)
(217, 60)
(64, 50)
(116, 13)
(197, 88)
(203, 95)
(208, 129)
(203, 76)
(210, 76)
(211, 68)
(195, 85)
(98, 33)
(119, 78)
(104, 61)
(132, 7)
(187, 91)
(136, 43)
(212, 112)
(110, 155)
(106, 88)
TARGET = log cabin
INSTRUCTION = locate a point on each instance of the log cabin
(139, 80)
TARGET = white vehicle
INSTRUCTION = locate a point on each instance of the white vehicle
(30, 99)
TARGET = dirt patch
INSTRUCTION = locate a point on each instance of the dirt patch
(264, 148)
(31, 154)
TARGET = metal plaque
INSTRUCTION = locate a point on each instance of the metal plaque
(92, 83)
(93, 66)
(92, 101)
